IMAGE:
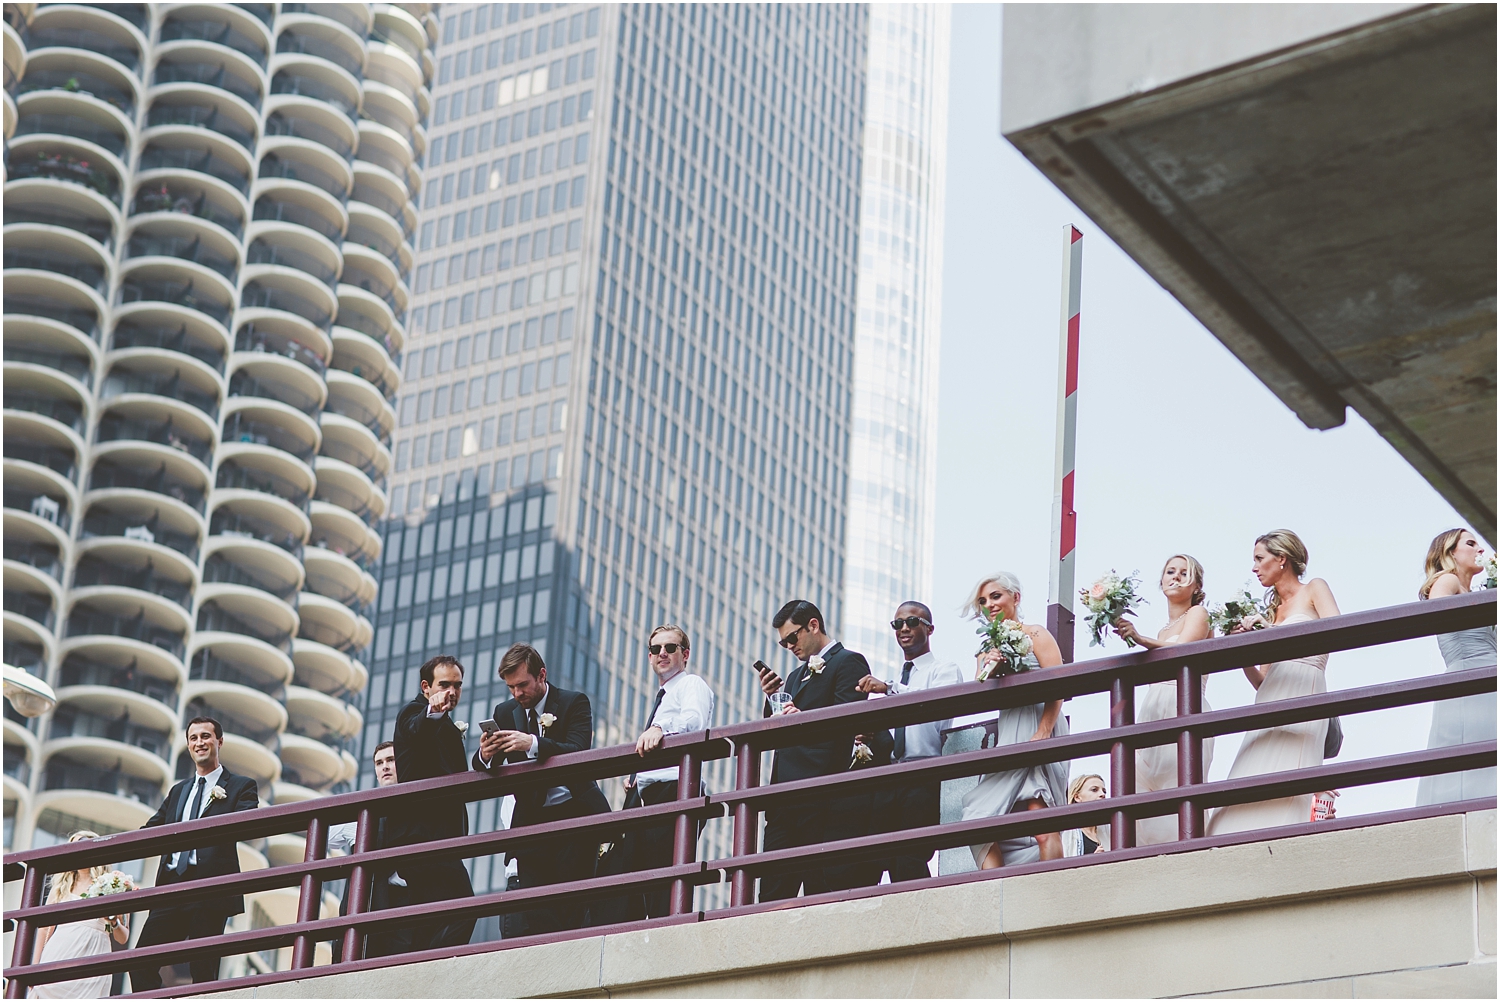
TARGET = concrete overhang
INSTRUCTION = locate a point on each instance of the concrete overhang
(1315, 183)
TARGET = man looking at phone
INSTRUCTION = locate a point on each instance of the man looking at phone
(537, 722)
(684, 703)
(429, 744)
(914, 805)
(828, 675)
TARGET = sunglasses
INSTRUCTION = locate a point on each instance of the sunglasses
(664, 648)
(910, 622)
(790, 640)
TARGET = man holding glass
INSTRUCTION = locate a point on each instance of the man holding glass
(828, 675)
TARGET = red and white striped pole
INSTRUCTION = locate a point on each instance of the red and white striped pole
(1060, 591)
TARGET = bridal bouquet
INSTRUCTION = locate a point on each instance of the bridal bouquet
(1244, 609)
(1107, 599)
(1007, 637)
(1489, 571)
(110, 882)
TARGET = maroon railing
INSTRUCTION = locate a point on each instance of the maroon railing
(745, 742)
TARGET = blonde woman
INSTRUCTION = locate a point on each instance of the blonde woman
(1279, 562)
(74, 940)
(1454, 560)
(1018, 789)
(1086, 841)
(1187, 621)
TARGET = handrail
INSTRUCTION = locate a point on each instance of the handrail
(1119, 675)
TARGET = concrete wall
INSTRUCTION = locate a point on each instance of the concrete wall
(1059, 59)
(1400, 910)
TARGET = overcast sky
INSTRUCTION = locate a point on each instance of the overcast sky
(1180, 448)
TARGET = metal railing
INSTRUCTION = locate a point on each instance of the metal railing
(745, 743)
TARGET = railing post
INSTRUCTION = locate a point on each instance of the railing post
(1121, 761)
(746, 821)
(685, 836)
(357, 892)
(25, 943)
(1189, 752)
(309, 903)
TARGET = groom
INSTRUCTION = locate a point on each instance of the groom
(828, 676)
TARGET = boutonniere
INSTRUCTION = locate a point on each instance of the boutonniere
(462, 725)
(816, 664)
(217, 793)
(546, 720)
(862, 755)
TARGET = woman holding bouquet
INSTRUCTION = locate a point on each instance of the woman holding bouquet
(73, 940)
(1279, 563)
(1156, 766)
(1454, 560)
(999, 595)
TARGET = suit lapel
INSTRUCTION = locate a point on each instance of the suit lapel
(816, 679)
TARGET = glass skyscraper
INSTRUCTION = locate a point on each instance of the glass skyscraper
(627, 394)
(893, 450)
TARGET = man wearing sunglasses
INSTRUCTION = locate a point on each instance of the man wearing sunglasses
(913, 805)
(828, 675)
(684, 703)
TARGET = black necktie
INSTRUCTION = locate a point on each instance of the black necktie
(531, 722)
(190, 814)
(901, 731)
(660, 695)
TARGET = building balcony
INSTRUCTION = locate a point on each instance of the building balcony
(121, 569)
(88, 32)
(187, 65)
(95, 173)
(103, 667)
(170, 198)
(239, 660)
(84, 75)
(91, 760)
(289, 250)
(363, 358)
(339, 578)
(24, 580)
(243, 514)
(35, 546)
(374, 232)
(34, 611)
(261, 376)
(172, 151)
(378, 190)
(310, 121)
(270, 336)
(247, 713)
(110, 616)
(269, 424)
(367, 312)
(36, 505)
(59, 351)
(357, 400)
(325, 669)
(160, 421)
(309, 762)
(270, 475)
(221, 25)
(293, 304)
(307, 78)
(331, 623)
(44, 207)
(43, 445)
(177, 237)
(253, 564)
(71, 117)
(298, 165)
(139, 523)
(45, 393)
(170, 474)
(45, 299)
(100, 711)
(250, 612)
(306, 34)
(61, 251)
(384, 152)
(343, 532)
(100, 794)
(181, 284)
(148, 329)
(322, 717)
(343, 485)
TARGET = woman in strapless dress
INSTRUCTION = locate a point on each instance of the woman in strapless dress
(1156, 767)
(77, 940)
(1029, 789)
(1279, 563)
(1454, 559)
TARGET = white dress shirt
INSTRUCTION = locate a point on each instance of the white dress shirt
(927, 672)
(341, 838)
(687, 705)
(209, 782)
(556, 794)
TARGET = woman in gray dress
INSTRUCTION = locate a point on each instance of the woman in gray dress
(1454, 559)
(1018, 789)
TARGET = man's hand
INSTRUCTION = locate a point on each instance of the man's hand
(871, 684)
(489, 745)
(769, 681)
(649, 741)
(495, 745)
(441, 700)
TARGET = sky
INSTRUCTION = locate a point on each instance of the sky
(1180, 448)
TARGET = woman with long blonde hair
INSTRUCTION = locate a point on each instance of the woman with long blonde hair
(1039, 786)
(74, 940)
(1454, 560)
(1187, 621)
(1279, 562)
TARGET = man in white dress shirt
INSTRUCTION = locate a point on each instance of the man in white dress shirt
(914, 805)
(389, 889)
(684, 703)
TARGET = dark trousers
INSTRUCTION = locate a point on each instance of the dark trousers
(386, 942)
(563, 861)
(651, 847)
(173, 925)
(446, 881)
(916, 805)
(846, 817)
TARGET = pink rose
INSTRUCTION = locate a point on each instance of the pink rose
(1097, 592)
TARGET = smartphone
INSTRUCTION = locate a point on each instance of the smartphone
(489, 726)
(760, 667)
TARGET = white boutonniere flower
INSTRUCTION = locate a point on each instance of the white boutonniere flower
(546, 720)
(217, 793)
(816, 664)
(462, 725)
(862, 755)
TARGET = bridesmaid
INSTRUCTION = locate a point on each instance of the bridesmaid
(1018, 789)
(74, 940)
(1156, 767)
(1086, 841)
(1454, 559)
(1279, 563)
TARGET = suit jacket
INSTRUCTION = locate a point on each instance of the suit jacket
(572, 731)
(834, 685)
(428, 747)
(213, 860)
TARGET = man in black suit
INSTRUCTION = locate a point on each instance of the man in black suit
(429, 744)
(828, 676)
(537, 722)
(211, 791)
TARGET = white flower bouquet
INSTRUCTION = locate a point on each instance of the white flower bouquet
(1106, 600)
(1242, 610)
(110, 882)
(1008, 638)
(1489, 572)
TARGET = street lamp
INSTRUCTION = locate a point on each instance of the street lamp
(28, 694)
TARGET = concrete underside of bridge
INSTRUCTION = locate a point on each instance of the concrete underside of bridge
(1314, 182)
(1402, 910)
